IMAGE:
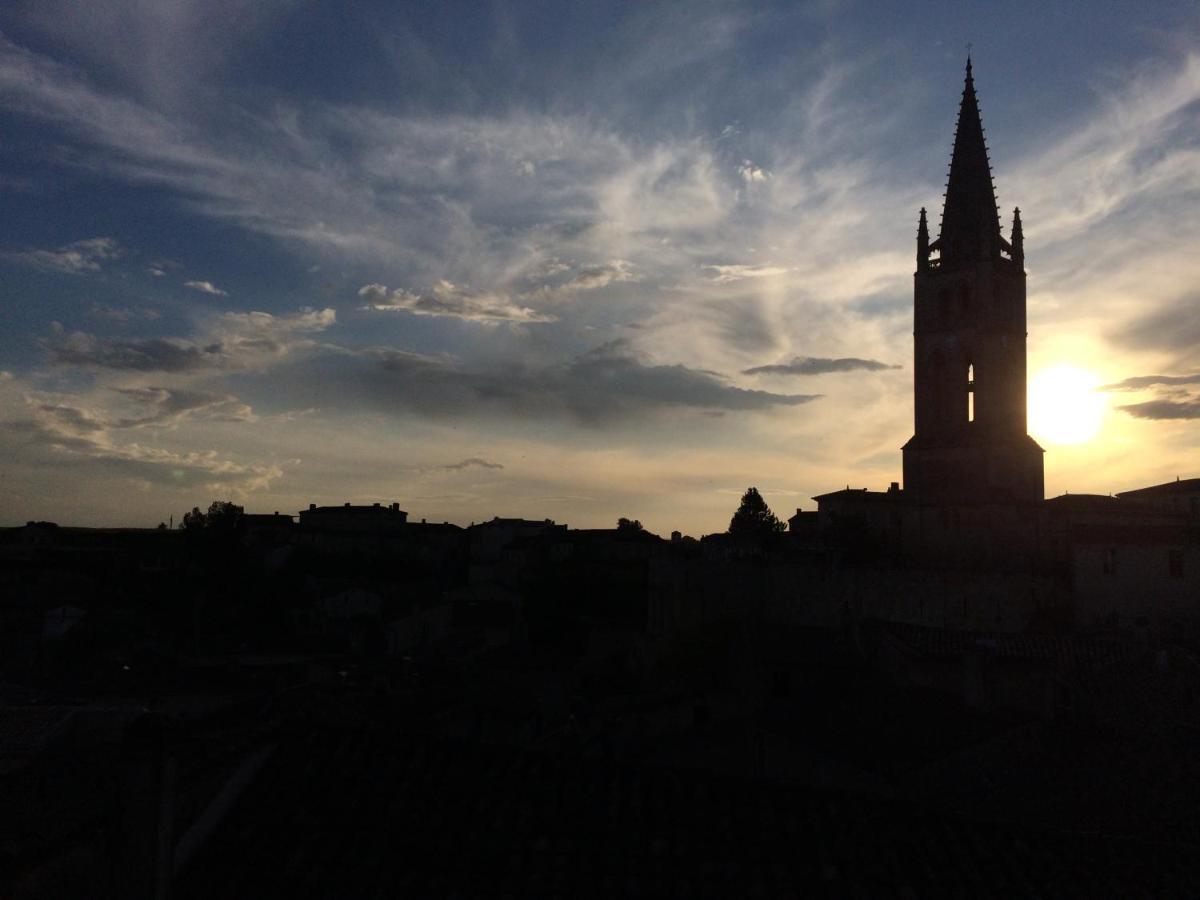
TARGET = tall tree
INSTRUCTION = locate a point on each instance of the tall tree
(754, 518)
(222, 515)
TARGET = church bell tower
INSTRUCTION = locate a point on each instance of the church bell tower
(971, 442)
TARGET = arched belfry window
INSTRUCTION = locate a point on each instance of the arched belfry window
(970, 392)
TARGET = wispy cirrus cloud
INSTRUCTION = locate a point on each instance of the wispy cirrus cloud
(63, 430)
(578, 280)
(74, 258)
(152, 407)
(233, 341)
(731, 273)
(448, 299)
(124, 314)
(161, 407)
(1171, 325)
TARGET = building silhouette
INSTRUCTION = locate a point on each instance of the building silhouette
(954, 688)
(971, 440)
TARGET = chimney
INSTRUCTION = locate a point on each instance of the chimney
(312, 506)
(347, 503)
(376, 505)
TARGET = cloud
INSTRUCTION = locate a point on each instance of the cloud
(153, 406)
(150, 355)
(473, 461)
(816, 365)
(448, 299)
(1174, 327)
(159, 406)
(75, 258)
(751, 173)
(1134, 147)
(74, 433)
(605, 385)
(1141, 382)
(160, 267)
(123, 314)
(580, 280)
(233, 341)
(1164, 409)
(729, 274)
(1173, 400)
(165, 51)
(490, 307)
(204, 287)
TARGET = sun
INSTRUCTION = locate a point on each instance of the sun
(1064, 405)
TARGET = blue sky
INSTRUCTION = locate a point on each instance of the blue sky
(560, 260)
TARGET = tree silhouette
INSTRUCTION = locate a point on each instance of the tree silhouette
(754, 518)
(624, 524)
(222, 515)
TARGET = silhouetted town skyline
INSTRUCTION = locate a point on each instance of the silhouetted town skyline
(949, 686)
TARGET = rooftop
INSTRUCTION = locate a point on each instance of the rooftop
(1184, 486)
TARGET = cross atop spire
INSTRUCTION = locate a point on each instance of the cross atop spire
(970, 223)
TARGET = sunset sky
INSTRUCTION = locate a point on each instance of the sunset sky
(564, 260)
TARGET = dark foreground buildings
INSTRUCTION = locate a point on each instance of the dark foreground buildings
(951, 688)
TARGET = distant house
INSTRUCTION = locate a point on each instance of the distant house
(268, 528)
(803, 525)
(487, 541)
(1132, 559)
(382, 531)
(1176, 496)
(352, 519)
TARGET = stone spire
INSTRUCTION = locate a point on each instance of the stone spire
(1018, 238)
(970, 220)
(922, 243)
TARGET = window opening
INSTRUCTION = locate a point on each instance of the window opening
(970, 393)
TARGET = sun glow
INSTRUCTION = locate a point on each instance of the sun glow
(1064, 405)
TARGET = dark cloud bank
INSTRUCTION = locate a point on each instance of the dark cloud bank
(1175, 402)
(604, 385)
(816, 365)
(1165, 409)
